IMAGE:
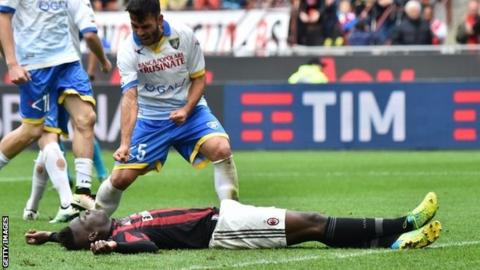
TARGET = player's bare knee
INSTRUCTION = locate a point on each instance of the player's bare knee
(36, 134)
(222, 151)
(121, 181)
(32, 132)
(85, 123)
(118, 183)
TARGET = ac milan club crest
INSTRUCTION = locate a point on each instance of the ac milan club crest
(272, 221)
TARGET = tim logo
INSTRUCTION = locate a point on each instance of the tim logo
(465, 116)
(280, 116)
(273, 221)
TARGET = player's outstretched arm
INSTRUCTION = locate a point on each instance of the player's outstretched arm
(95, 46)
(6, 38)
(108, 246)
(33, 237)
(129, 110)
(17, 73)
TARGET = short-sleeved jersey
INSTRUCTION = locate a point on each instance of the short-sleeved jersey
(41, 32)
(164, 229)
(81, 20)
(162, 73)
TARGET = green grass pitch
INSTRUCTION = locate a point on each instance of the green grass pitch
(379, 184)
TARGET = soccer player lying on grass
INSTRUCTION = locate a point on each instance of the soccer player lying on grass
(241, 226)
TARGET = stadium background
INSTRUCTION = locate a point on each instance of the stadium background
(248, 50)
(423, 98)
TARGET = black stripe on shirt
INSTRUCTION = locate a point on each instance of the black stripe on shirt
(248, 237)
(251, 230)
(250, 233)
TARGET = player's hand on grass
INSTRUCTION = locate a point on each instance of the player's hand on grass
(106, 66)
(103, 247)
(179, 116)
(18, 74)
(36, 237)
(122, 153)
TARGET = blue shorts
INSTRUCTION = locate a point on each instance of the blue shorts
(56, 121)
(152, 139)
(48, 89)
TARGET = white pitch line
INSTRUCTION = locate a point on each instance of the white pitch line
(252, 263)
(341, 255)
(289, 174)
(457, 244)
(16, 179)
(337, 255)
(379, 251)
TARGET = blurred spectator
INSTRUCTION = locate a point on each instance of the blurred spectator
(363, 8)
(331, 28)
(261, 4)
(280, 3)
(346, 17)
(413, 30)
(309, 29)
(358, 6)
(175, 4)
(468, 32)
(105, 5)
(163, 4)
(360, 36)
(233, 4)
(316, 23)
(206, 4)
(293, 28)
(442, 9)
(310, 72)
(438, 28)
(381, 17)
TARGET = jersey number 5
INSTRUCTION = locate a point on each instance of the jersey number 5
(141, 151)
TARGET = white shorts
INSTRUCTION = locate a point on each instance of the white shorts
(246, 226)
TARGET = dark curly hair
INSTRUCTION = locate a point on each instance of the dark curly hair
(143, 8)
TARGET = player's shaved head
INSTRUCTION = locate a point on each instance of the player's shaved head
(142, 9)
(89, 226)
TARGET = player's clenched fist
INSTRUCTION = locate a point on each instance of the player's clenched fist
(179, 116)
(18, 74)
(106, 66)
(122, 153)
(102, 247)
(33, 237)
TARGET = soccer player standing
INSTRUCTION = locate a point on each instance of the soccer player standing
(162, 71)
(42, 61)
(51, 162)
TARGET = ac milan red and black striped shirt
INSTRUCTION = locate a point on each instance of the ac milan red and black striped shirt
(149, 231)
